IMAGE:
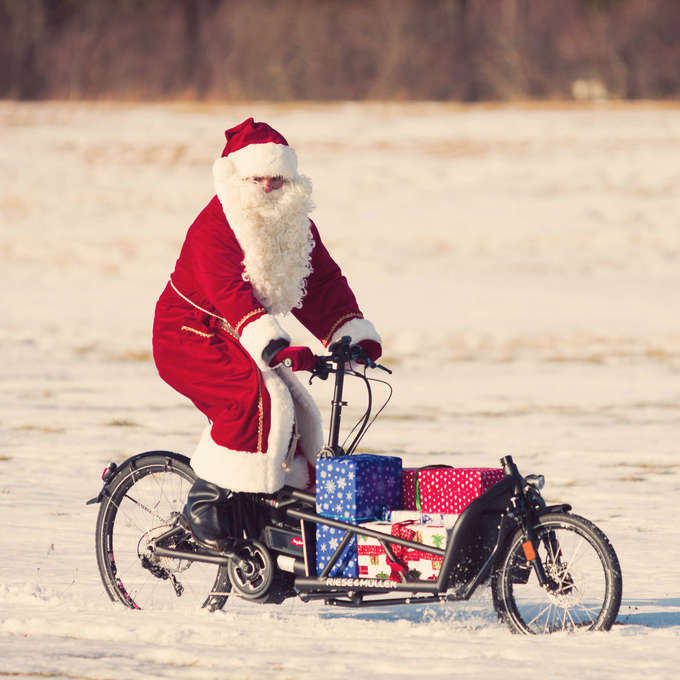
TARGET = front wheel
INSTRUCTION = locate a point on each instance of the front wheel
(142, 502)
(584, 591)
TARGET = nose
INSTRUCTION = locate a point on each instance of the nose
(271, 183)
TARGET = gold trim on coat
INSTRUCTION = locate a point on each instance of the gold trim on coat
(338, 323)
(197, 332)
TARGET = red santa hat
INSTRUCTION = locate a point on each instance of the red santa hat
(255, 150)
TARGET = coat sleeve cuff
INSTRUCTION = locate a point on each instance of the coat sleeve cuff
(257, 335)
(358, 330)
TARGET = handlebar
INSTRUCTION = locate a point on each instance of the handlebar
(342, 352)
(338, 362)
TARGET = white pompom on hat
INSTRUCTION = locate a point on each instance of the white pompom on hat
(255, 150)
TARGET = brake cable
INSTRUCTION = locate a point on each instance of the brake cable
(363, 420)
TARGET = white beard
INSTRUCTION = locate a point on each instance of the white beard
(274, 233)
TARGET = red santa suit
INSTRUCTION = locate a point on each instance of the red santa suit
(242, 266)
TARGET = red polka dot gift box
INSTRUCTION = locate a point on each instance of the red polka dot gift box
(445, 489)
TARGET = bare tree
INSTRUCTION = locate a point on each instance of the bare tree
(468, 50)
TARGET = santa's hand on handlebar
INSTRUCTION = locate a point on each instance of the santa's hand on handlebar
(295, 358)
(299, 358)
(368, 349)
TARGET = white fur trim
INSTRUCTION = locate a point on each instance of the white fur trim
(298, 475)
(307, 415)
(246, 471)
(259, 160)
(358, 330)
(258, 334)
(222, 170)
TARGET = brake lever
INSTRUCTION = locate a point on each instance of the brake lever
(322, 370)
(367, 361)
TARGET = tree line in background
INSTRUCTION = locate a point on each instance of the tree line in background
(456, 50)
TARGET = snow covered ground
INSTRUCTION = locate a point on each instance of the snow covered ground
(523, 266)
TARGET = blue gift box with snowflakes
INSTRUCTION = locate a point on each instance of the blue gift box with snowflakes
(356, 488)
(328, 540)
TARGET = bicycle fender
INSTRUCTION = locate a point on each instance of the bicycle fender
(475, 535)
(561, 507)
(113, 469)
(508, 528)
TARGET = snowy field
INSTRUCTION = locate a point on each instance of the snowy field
(523, 267)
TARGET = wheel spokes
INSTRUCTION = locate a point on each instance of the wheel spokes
(538, 616)
(143, 507)
(574, 567)
(146, 506)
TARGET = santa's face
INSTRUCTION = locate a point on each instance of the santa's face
(268, 184)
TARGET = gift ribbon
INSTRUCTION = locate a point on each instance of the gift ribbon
(397, 570)
(406, 555)
(349, 520)
(400, 527)
(417, 481)
(403, 555)
(402, 531)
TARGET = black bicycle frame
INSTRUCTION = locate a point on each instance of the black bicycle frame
(473, 544)
(466, 546)
(341, 354)
(336, 412)
(476, 539)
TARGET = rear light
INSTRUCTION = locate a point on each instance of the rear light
(109, 471)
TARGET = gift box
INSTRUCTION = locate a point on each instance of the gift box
(357, 488)
(471, 483)
(352, 489)
(408, 489)
(445, 489)
(371, 557)
(328, 540)
(374, 563)
(423, 566)
(419, 563)
(443, 519)
(434, 485)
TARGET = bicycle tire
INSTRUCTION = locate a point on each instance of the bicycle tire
(142, 501)
(580, 560)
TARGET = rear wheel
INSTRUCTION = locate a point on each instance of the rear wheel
(144, 501)
(584, 572)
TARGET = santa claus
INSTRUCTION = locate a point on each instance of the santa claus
(251, 257)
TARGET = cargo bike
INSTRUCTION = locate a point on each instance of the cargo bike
(549, 569)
